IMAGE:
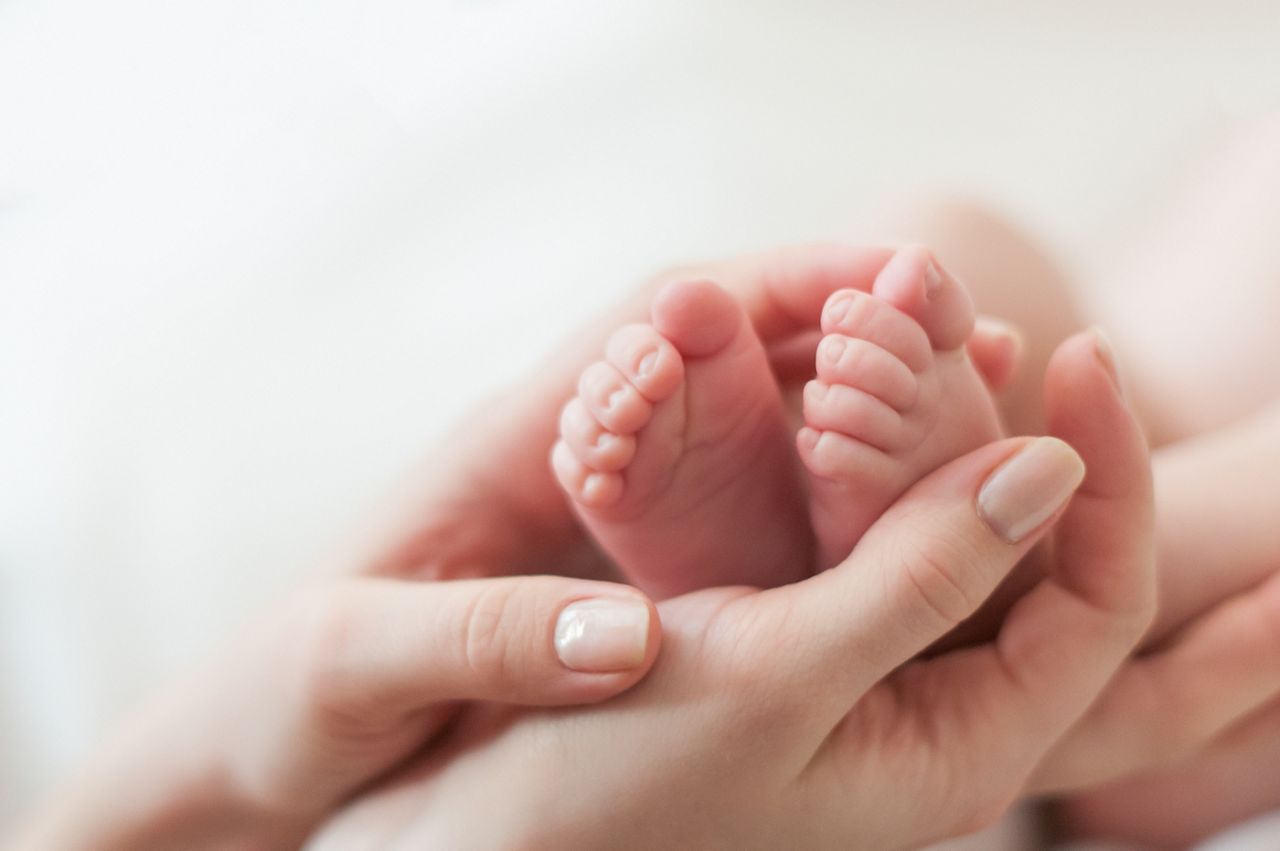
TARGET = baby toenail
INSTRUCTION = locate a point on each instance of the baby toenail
(615, 398)
(603, 439)
(647, 365)
(932, 280)
(839, 309)
(833, 349)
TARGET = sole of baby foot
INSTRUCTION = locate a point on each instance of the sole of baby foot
(896, 396)
(676, 454)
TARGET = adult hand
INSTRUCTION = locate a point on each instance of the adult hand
(1203, 783)
(332, 689)
(1183, 743)
(361, 672)
(792, 717)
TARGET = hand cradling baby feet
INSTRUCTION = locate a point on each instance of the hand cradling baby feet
(676, 452)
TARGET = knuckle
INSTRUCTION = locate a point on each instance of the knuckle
(939, 573)
(489, 633)
(764, 696)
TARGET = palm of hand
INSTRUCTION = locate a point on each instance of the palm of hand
(751, 750)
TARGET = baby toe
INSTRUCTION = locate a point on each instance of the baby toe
(613, 400)
(590, 443)
(837, 458)
(590, 488)
(915, 283)
(848, 411)
(647, 360)
(855, 314)
(865, 366)
(698, 317)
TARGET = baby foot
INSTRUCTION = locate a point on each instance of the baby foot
(896, 397)
(676, 454)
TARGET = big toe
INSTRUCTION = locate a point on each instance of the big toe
(698, 317)
(915, 283)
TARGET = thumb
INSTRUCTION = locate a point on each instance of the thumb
(388, 647)
(928, 562)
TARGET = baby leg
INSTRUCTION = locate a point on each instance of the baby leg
(1193, 308)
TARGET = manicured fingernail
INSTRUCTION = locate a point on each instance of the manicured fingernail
(1106, 355)
(1029, 488)
(602, 635)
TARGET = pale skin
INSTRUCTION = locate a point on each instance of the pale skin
(1007, 268)
(486, 511)
(678, 453)
(782, 718)
(699, 753)
(327, 691)
(1191, 309)
(252, 779)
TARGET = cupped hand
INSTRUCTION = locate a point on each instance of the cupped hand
(1184, 742)
(795, 716)
(351, 677)
(487, 504)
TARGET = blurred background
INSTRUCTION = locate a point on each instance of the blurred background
(256, 256)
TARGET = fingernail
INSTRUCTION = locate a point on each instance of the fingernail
(602, 635)
(1029, 488)
(1106, 355)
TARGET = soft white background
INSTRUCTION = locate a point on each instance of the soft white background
(256, 255)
